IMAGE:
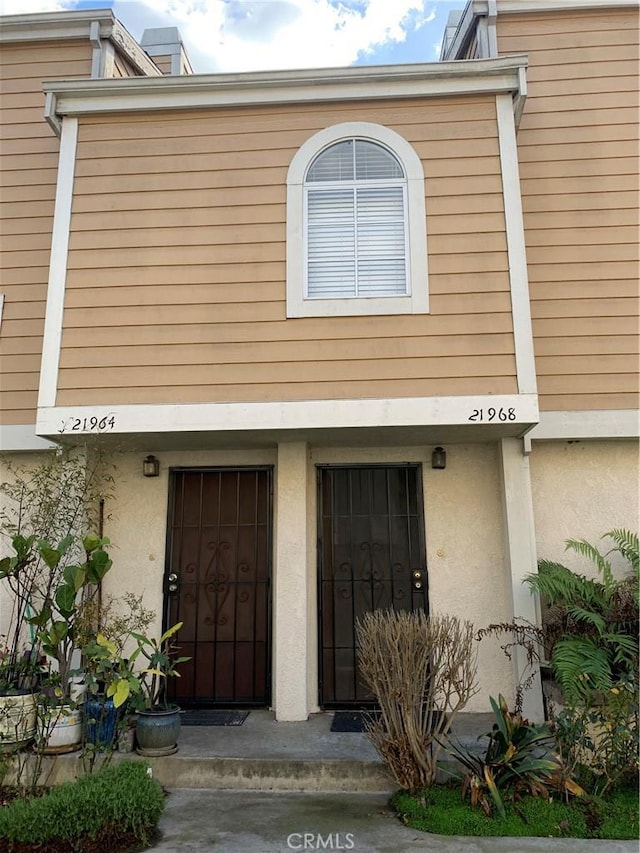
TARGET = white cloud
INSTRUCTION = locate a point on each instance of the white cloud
(245, 35)
(27, 7)
(248, 35)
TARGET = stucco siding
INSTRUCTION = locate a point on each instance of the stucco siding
(581, 490)
(578, 153)
(176, 270)
(28, 169)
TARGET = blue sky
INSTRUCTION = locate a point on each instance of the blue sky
(253, 35)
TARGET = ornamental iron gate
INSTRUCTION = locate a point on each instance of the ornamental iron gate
(371, 556)
(218, 584)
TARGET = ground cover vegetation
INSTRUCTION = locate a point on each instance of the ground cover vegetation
(114, 810)
(575, 775)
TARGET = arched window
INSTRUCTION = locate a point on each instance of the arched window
(356, 226)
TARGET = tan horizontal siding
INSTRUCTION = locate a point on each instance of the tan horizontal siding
(580, 402)
(578, 153)
(305, 390)
(250, 352)
(188, 301)
(342, 328)
(163, 62)
(262, 372)
(28, 169)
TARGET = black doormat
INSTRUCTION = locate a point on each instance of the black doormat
(213, 718)
(352, 721)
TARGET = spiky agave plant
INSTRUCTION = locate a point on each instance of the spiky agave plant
(592, 623)
(518, 761)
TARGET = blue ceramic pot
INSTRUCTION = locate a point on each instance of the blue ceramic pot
(100, 718)
(157, 731)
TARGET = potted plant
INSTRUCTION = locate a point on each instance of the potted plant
(40, 505)
(19, 665)
(57, 624)
(111, 680)
(158, 721)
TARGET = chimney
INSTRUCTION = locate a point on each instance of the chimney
(164, 46)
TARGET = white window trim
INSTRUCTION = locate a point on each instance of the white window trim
(417, 300)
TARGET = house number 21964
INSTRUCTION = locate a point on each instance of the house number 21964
(91, 424)
(491, 414)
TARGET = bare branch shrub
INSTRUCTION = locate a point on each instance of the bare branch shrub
(422, 671)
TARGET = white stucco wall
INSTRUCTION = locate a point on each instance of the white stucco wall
(581, 490)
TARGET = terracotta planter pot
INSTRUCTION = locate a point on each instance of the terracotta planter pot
(17, 720)
(157, 731)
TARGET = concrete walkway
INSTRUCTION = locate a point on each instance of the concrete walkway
(276, 822)
(318, 790)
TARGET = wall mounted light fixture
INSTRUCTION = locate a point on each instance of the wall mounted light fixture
(439, 458)
(150, 467)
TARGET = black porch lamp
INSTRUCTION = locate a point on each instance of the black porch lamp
(439, 458)
(150, 466)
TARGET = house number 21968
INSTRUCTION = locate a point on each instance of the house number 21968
(491, 414)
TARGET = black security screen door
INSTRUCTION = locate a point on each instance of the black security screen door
(217, 583)
(371, 556)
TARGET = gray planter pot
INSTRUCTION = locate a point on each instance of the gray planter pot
(157, 731)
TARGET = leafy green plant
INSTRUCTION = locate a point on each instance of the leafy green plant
(591, 624)
(122, 803)
(162, 658)
(59, 613)
(43, 503)
(517, 761)
(599, 743)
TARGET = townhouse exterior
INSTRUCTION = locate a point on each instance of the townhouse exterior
(377, 327)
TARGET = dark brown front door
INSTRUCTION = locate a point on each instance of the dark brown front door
(218, 584)
(371, 556)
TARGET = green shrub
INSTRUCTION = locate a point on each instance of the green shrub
(440, 809)
(121, 801)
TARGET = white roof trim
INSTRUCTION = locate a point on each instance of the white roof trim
(88, 24)
(310, 415)
(594, 424)
(77, 97)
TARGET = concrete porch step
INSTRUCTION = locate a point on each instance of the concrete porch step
(265, 755)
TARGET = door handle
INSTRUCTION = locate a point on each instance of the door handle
(416, 576)
(173, 582)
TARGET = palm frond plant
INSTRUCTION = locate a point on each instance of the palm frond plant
(591, 624)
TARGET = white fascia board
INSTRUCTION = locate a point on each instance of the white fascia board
(58, 264)
(516, 251)
(129, 47)
(474, 76)
(55, 25)
(15, 438)
(465, 26)
(594, 424)
(305, 414)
